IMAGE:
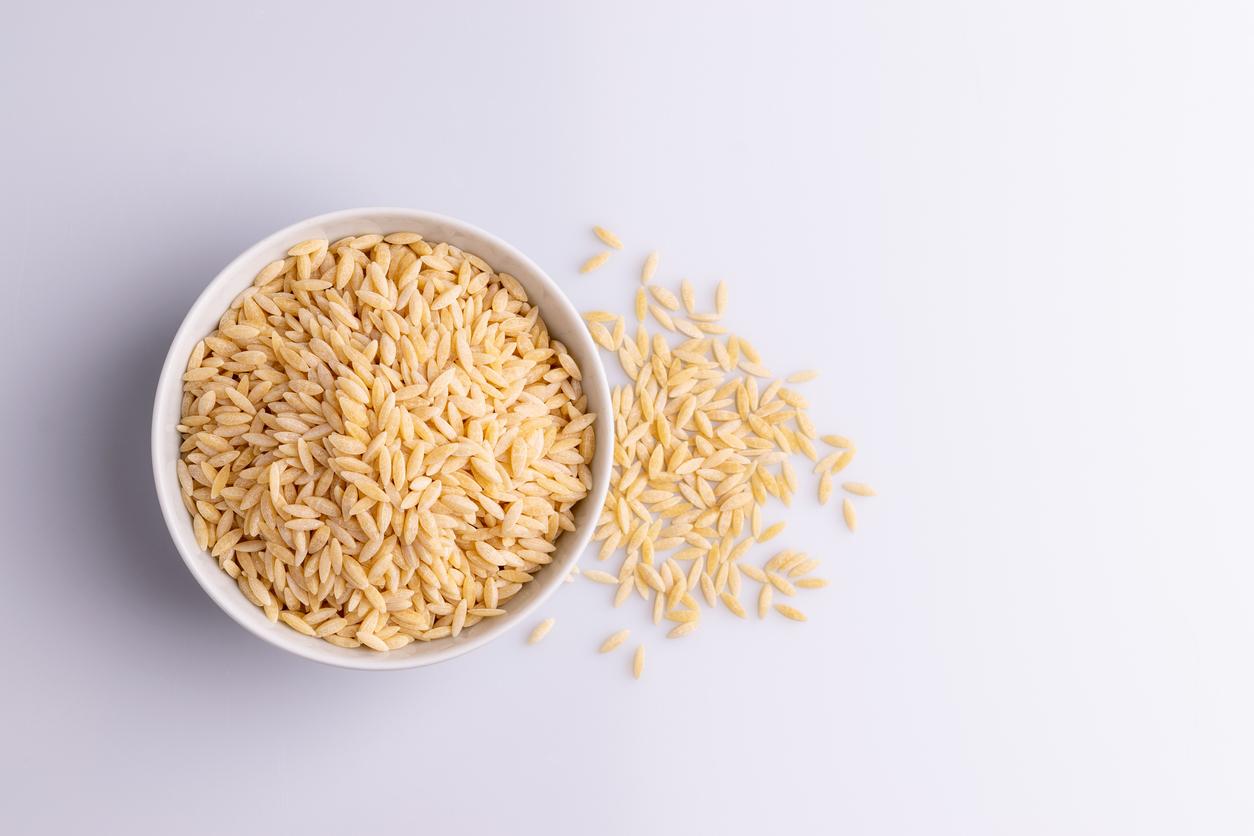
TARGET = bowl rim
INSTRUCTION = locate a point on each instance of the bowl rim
(175, 515)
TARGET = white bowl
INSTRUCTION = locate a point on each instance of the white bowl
(563, 322)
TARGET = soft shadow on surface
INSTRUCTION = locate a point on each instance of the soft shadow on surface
(141, 541)
(159, 284)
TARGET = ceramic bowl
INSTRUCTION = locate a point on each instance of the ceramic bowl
(563, 322)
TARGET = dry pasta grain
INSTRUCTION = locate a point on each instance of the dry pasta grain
(802, 567)
(637, 662)
(614, 641)
(609, 238)
(790, 612)
(664, 297)
(681, 630)
(781, 583)
(732, 604)
(851, 516)
(649, 269)
(541, 630)
(771, 532)
(753, 572)
(595, 262)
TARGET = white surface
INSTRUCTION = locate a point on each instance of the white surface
(1015, 237)
(563, 322)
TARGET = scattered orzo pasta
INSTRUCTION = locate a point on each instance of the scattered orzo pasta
(381, 441)
(704, 433)
(703, 437)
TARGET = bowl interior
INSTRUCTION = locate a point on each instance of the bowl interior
(563, 322)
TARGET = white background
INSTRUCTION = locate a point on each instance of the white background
(1015, 238)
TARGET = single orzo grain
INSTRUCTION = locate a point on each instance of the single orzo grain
(595, 261)
(541, 630)
(609, 238)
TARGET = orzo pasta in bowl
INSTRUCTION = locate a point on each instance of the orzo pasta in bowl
(381, 438)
